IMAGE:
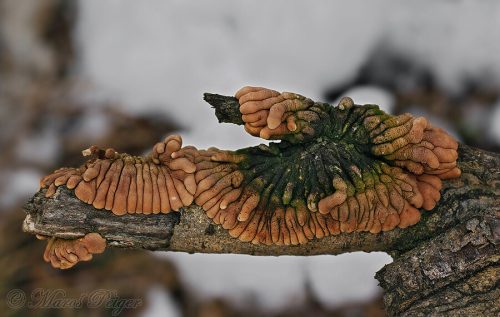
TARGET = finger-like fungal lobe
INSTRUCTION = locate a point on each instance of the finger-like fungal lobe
(159, 183)
(64, 254)
(288, 116)
(337, 169)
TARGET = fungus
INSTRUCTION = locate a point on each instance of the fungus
(337, 169)
(64, 254)
(161, 182)
(342, 169)
(272, 115)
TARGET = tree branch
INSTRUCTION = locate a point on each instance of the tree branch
(453, 248)
(444, 265)
(226, 108)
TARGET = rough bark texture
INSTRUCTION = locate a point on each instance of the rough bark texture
(453, 270)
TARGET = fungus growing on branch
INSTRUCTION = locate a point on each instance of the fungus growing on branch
(121, 183)
(336, 170)
(64, 254)
(272, 115)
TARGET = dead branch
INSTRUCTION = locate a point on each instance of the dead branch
(447, 264)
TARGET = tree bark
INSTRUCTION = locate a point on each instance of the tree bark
(454, 271)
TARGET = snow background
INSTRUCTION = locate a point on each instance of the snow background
(162, 55)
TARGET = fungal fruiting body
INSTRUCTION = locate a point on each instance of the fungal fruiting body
(64, 254)
(121, 183)
(336, 169)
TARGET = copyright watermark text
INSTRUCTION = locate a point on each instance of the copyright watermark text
(59, 299)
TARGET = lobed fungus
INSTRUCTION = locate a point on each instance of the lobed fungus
(64, 254)
(272, 115)
(121, 183)
(336, 169)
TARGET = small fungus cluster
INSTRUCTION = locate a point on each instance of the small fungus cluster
(64, 254)
(336, 169)
(272, 115)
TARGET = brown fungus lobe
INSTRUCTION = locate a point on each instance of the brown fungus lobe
(64, 254)
(121, 183)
